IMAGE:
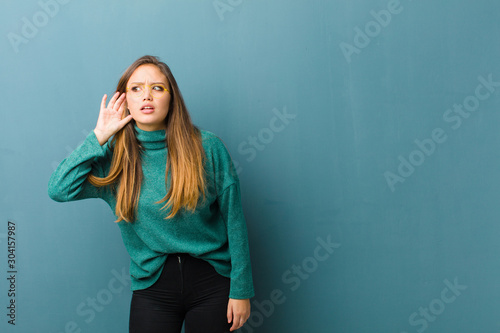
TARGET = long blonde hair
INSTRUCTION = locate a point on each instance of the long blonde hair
(185, 159)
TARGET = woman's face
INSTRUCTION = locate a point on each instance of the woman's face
(147, 97)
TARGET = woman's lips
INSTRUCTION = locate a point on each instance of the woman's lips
(147, 110)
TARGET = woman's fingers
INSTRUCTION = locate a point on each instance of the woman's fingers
(115, 103)
(113, 100)
(103, 101)
(124, 121)
(238, 312)
(119, 103)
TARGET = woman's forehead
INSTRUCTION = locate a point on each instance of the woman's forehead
(148, 73)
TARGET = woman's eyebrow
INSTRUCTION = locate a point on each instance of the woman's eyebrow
(150, 83)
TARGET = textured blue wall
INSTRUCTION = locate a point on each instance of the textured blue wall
(366, 135)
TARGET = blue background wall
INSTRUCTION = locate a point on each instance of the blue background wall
(365, 133)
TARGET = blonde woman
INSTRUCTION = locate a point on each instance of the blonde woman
(176, 197)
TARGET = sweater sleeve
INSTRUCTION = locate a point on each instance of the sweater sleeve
(241, 270)
(69, 181)
(224, 184)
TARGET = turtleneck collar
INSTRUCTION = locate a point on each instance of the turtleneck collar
(151, 139)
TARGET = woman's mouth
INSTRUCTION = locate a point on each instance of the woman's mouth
(147, 109)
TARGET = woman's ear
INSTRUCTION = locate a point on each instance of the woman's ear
(126, 111)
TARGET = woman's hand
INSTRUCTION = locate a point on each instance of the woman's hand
(110, 118)
(238, 312)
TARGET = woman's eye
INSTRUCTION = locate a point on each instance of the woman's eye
(158, 88)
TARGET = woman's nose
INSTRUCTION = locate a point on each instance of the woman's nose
(147, 93)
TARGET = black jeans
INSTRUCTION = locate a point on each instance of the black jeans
(190, 290)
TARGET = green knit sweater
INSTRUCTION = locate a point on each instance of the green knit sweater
(215, 232)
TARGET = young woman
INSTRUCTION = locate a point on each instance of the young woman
(176, 197)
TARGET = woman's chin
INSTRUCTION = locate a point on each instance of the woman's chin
(150, 126)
